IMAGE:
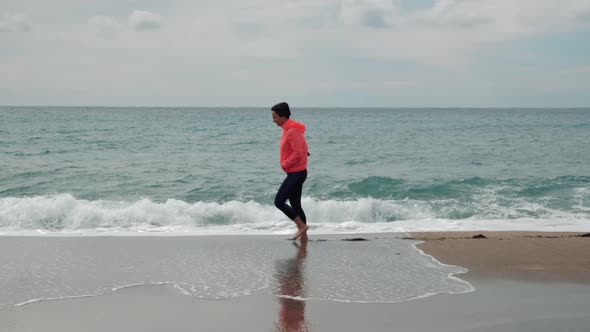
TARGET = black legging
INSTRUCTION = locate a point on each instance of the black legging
(291, 189)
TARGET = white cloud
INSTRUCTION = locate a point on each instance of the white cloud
(211, 50)
(459, 13)
(104, 22)
(453, 32)
(15, 23)
(581, 10)
(370, 13)
(506, 18)
(284, 14)
(143, 20)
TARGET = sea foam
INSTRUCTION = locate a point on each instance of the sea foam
(63, 214)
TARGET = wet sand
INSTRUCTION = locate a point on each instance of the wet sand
(522, 283)
(494, 306)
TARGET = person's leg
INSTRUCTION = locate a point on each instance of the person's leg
(295, 197)
(283, 194)
(290, 186)
(295, 200)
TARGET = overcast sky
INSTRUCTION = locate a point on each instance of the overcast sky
(374, 53)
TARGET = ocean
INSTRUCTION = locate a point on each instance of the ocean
(72, 179)
(198, 171)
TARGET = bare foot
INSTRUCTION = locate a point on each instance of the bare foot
(302, 231)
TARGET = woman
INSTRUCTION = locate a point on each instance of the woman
(293, 156)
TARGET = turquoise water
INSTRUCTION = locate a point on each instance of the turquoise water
(213, 170)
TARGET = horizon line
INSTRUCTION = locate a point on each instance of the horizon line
(320, 107)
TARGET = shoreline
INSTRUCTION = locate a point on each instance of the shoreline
(499, 302)
(512, 255)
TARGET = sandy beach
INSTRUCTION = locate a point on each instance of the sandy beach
(526, 256)
(521, 282)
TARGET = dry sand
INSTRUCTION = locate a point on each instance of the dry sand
(527, 256)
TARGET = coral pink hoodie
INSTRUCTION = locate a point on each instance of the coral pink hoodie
(293, 147)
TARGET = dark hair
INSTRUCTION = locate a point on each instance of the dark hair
(282, 109)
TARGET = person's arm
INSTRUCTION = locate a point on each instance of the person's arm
(295, 140)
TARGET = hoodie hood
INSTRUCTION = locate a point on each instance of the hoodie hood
(293, 124)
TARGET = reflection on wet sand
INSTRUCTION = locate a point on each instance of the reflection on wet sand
(289, 278)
